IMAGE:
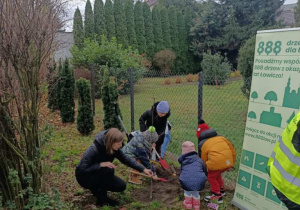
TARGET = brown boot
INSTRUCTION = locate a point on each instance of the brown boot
(134, 179)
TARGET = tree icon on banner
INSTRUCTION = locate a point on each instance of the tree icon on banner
(252, 115)
(254, 95)
(271, 96)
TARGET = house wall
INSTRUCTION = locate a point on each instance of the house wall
(64, 41)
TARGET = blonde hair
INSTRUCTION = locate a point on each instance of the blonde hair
(112, 136)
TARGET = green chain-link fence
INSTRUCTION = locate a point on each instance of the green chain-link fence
(224, 108)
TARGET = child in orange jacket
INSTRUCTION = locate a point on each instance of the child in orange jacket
(218, 154)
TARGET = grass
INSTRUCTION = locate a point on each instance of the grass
(224, 109)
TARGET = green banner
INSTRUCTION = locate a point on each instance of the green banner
(274, 101)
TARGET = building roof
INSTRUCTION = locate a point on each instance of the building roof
(288, 17)
(287, 14)
(288, 7)
(151, 2)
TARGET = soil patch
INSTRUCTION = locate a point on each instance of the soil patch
(171, 194)
(164, 192)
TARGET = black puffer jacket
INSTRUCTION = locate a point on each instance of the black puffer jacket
(97, 154)
(159, 123)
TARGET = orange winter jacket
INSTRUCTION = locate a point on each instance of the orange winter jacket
(217, 153)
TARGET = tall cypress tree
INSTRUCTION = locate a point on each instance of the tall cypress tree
(173, 28)
(99, 20)
(148, 29)
(165, 25)
(67, 94)
(120, 21)
(89, 21)
(130, 24)
(182, 34)
(188, 14)
(109, 98)
(139, 26)
(182, 62)
(109, 20)
(85, 121)
(188, 17)
(58, 86)
(157, 29)
(78, 31)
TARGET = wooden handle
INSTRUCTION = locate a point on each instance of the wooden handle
(134, 172)
(156, 153)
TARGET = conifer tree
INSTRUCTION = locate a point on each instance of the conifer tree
(148, 29)
(52, 79)
(157, 29)
(89, 21)
(58, 86)
(109, 20)
(188, 14)
(109, 99)
(67, 92)
(139, 26)
(182, 34)
(165, 28)
(78, 31)
(173, 28)
(188, 17)
(120, 21)
(130, 24)
(100, 28)
(85, 121)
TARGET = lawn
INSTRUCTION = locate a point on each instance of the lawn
(224, 109)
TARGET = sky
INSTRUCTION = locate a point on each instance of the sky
(73, 4)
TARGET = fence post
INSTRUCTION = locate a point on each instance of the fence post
(200, 95)
(131, 98)
(93, 87)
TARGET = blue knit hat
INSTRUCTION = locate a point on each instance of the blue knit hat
(163, 107)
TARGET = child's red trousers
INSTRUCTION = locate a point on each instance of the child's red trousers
(215, 180)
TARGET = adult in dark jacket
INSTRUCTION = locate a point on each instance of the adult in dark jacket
(159, 112)
(193, 175)
(96, 170)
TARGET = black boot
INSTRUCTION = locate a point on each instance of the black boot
(107, 202)
(102, 199)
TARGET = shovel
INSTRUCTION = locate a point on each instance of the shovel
(159, 179)
(162, 162)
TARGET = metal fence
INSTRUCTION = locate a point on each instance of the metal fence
(219, 102)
